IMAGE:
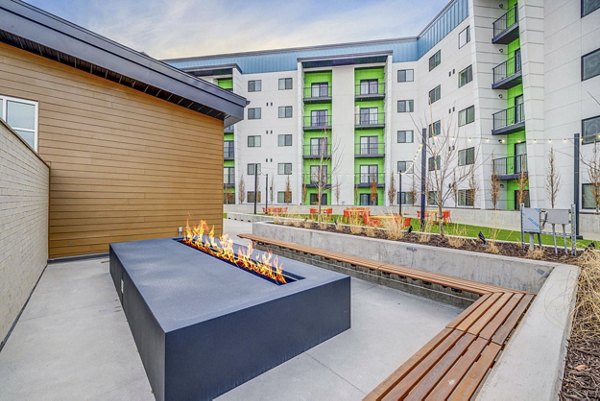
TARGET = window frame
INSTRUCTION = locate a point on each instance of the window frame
(431, 132)
(583, 197)
(465, 112)
(434, 163)
(252, 138)
(405, 71)
(254, 114)
(407, 102)
(435, 57)
(467, 29)
(467, 196)
(3, 114)
(230, 174)
(286, 197)
(405, 131)
(253, 192)
(593, 52)
(284, 168)
(283, 138)
(460, 74)
(254, 165)
(583, 13)
(408, 164)
(437, 90)
(285, 82)
(595, 138)
(285, 111)
(430, 198)
(254, 87)
(404, 196)
(467, 160)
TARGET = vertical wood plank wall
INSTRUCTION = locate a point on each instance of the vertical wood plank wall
(124, 165)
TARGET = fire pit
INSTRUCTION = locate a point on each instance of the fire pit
(204, 325)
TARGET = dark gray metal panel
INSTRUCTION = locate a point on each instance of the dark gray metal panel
(33, 24)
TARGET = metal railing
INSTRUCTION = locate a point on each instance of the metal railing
(370, 89)
(313, 180)
(510, 165)
(228, 154)
(369, 119)
(507, 69)
(228, 129)
(508, 117)
(317, 121)
(316, 151)
(367, 179)
(317, 92)
(506, 21)
(369, 149)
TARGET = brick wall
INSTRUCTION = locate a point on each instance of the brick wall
(24, 183)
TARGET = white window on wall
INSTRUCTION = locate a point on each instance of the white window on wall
(405, 136)
(254, 113)
(465, 76)
(406, 75)
(255, 86)
(284, 140)
(466, 156)
(464, 37)
(466, 116)
(404, 166)
(285, 83)
(285, 112)
(435, 94)
(254, 141)
(284, 168)
(406, 106)
(466, 197)
(22, 116)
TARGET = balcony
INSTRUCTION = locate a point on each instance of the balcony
(229, 129)
(507, 74)
(369, 150)
(313, 181)
(506, 28)
(228, 154)
(317, 94)
(227, 185)
(366, 180)
(508, 120)
(370, 91)
(316, 122)
(369, 120)
(316, 151)
(511, 167)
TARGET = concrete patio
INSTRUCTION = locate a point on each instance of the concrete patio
(72, 342)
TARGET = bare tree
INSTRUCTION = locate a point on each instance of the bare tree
(242, 190)
(337, 190)
(495, 189)
(454, 188)
(413, 190)
(287, 196)
(304, 193)
(329, 156)
(373, 191)
(392, 189)
(523, 181)
(552, 178)
(593, 165)
(473, 186)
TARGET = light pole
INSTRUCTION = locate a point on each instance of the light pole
(576, 145)
(255, 186)
(423, 173)
(266, 193)
(400, 194)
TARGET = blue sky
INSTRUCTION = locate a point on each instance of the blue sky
(182, 28)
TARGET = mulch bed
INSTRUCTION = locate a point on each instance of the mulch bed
(582, 370)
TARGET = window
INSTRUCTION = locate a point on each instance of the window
(284, 140)
(284, 197)
(228, 176)
(369, 145)
(318, 147)
(466, 116)
(255, 86)
(589, 6)
(404, 165)
(466, 197)
(314, 199)
(368, 173)
(285, 111)
(254, 113)
(228, 150)
(466, 156)
(407, 198)
(367, 199)
(587, 194)
(318, 118)
(229, 198)
(21, 116)
(319, 89)
(590, 65)
(591, 129)
(253, 168)
(432, 198)
(435, 60)
(284, 168)
(314, 175)
(435, 94)
(368, 116)
(250, 197)
(433, 163)
(406, 106)
(405, 136)
(406, 75)
(435, 129)
(254, 141)
(369, 87)
(285, 83)
(464, 37)
(465, 76)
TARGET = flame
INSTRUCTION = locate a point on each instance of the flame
(266, 265)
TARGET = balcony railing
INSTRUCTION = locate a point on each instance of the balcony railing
(506, 28)
(508, 120)
(228, 154)
(228, 129)
(317, 151)
(369, 120)
(313, 122)
(370, 90)
(369, 149)
(507, 74)
(365, 180)
(317, 94)
(229, 184)
(313, 180)
(510, 167)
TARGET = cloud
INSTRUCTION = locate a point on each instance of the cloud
(168, 29)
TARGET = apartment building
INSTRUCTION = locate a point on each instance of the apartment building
(504, 82)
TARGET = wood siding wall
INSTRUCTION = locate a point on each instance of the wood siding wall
(124, 165)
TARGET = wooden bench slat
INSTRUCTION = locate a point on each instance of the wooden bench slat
(470, 382)
(458, 319)
(451, 379)
(503, 332)
(478, 325)
(477, 313)
(496, 322)
(414, 375)
(428, 382)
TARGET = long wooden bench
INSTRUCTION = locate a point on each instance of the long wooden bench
(453, 364)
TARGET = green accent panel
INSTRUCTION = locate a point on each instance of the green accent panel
(225, 83)
(228, 190)
(315, 191)
(511, 187)
(319, 106)
(371, 103)
(316, 134)
(228, 163)
(360, 191)
(513, 46)
(378, 132)
(370, 161)
(512, 93)
(514, 138)
(511, 3)
(228, 136)
(369, 73)
(316, 77)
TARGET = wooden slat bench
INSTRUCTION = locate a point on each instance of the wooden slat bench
(453, 364)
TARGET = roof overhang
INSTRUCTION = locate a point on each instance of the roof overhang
(347, 59)
(36, 31)
(212, 70)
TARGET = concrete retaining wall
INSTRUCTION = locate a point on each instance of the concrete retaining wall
(24, 185)
(515, 273)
